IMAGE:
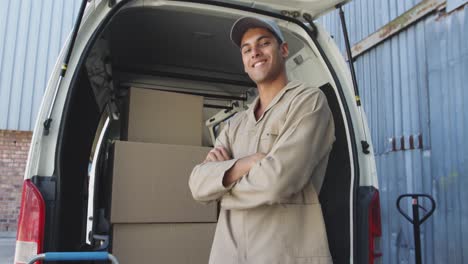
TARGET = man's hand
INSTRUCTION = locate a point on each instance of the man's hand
(240, 168)
(217, 154)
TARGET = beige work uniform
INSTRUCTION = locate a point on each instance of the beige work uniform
(272, 214)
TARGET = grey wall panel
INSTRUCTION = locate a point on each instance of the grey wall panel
(448, 79)
(364, 17)
(412, 84)
(31, 36)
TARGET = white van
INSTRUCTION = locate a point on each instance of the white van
(180, 47)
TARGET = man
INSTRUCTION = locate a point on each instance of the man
(269, 162)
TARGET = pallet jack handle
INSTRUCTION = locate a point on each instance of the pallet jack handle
(415, 220)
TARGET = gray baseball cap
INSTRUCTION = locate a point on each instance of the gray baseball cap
(243, 24)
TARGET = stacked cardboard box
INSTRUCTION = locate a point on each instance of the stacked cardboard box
(182, 243)
(155, 219)
(165, 117)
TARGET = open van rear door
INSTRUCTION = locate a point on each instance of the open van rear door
(296, 8)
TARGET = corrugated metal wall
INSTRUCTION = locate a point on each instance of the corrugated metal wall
(31, 36)
(414, 84)
(447, 68)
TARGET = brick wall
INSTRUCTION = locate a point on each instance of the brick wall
(14, 148)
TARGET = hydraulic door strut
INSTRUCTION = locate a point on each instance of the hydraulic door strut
(48, 121)
(364, 143)
(350, 56)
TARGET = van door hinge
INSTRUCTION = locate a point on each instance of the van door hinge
(293, 14)
(307, 17)
(365, 147)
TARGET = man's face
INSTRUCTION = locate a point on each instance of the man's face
(263, 57)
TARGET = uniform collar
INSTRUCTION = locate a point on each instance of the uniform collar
(291, 85)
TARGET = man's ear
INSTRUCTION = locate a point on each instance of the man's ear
(284, 49)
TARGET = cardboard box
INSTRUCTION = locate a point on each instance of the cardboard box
(150, 184)
(163, 243)
(165, 117)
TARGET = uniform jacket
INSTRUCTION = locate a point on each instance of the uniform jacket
(272, 214)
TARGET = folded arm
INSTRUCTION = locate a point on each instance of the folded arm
(241, 168)
(218, 173)
(307, 138)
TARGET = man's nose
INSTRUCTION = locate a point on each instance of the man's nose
(255, 52)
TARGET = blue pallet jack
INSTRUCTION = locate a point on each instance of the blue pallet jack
(74, 256)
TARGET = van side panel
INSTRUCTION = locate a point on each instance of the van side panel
(337, 181)
(77, 132)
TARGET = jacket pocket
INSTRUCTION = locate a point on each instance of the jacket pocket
(267, 141)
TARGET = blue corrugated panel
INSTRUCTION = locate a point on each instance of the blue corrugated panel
(415, 84)
(364, 17)
(31, 36)
(448, 79)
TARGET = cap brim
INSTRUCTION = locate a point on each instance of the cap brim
(243, 24)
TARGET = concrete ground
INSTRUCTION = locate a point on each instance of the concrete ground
(7, 248)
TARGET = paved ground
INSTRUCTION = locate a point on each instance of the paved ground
(7, 250)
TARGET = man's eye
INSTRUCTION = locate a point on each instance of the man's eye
(264, 44)
(246, 50)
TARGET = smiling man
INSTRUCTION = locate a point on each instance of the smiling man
(268, 164)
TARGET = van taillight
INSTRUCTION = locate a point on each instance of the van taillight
(30, 224)
(375, 229)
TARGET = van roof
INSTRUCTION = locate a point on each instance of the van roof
(296, 8)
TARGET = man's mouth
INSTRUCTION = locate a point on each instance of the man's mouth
(258, 63)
